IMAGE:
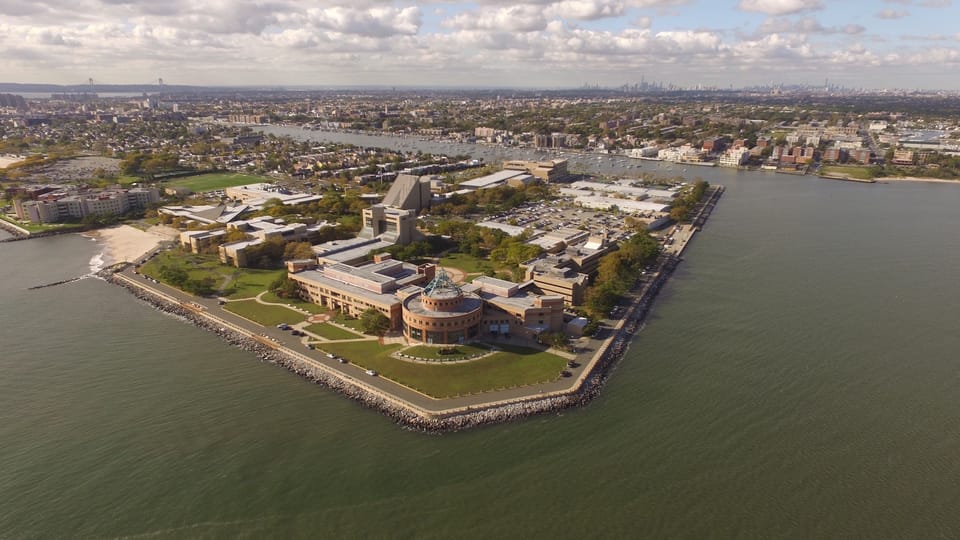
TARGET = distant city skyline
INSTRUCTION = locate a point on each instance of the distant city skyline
(486, 43)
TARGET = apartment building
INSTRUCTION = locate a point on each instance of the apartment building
(62, 206)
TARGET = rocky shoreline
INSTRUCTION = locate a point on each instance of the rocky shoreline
(19, 235)
(406, 417)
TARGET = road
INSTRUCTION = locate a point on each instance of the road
(293, 345)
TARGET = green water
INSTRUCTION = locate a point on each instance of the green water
(798, 379)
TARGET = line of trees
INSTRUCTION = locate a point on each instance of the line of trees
(681, 207)
(146, 165)
(617, 271)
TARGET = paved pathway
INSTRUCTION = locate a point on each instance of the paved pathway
(350, 371)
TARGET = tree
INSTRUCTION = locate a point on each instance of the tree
(297, 250)
(175, 276)
(374, 322)
(678, 213)
(284, 287)
(601, 298)
(201, 287)
(557, 340)
(234, 235)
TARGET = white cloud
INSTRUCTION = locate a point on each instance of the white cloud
(519, 18)
(586, 9)
(807, 25)
(531, 42)
(780, 7)
(936, 56)
(373, 22)
(891, 14)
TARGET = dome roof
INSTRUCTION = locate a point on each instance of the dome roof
(442, 287)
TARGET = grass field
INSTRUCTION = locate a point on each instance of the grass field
(265, 315)
(329, 331)
(214, 181)
(229, 281)
(348, 321)
(249, 282)
(468, 263)
(198, 266)
(296, 302)
(515, 366)
(861, 173)
(460, 351)
(125, 180)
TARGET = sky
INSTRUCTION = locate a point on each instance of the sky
(483, 43)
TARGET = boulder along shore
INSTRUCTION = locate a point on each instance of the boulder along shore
(407, 417)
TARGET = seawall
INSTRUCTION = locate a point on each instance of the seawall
(19, 232)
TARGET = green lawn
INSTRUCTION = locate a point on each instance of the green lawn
(264, 314)
(198, 266)
(249, 282)
(861, 173)
(231, 282)
(348, 321)
(460, 351)
(302, 304)
(329, 331)
(125, 180)
(515, 366)
(214, 181)
(468, 263)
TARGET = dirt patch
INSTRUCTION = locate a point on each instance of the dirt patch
(457, 275)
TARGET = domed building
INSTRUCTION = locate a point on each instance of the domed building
(442, 313)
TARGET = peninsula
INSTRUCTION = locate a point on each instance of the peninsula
(432, 380)
(445, 289)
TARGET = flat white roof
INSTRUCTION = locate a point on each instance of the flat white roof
(626, 205)
(492, 179)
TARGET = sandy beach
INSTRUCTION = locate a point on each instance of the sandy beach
(6, 160)
(124, 243)
(917, 179)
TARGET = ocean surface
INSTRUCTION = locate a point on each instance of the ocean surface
(798, 378)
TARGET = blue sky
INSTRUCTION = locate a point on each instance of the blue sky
(535, 43)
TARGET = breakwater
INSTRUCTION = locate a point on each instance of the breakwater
(55, 283)
(23, 234)
(19, 233)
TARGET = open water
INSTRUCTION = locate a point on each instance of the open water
(798, 379)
